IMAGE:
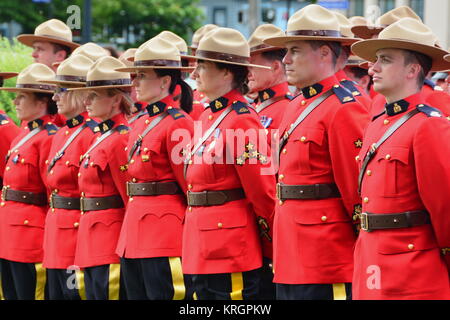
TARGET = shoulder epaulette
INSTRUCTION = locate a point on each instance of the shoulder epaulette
(289, 97)
(91, 124)
(343, 94)
(3, 119)
(240, 107)
(350, 85)
(175, 113)
(51, 128)
(429, 111)
(122, 129)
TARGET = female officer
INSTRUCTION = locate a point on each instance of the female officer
(150, 240)
(24, 195)
(69, 144)
(102, 178)
(230, 189)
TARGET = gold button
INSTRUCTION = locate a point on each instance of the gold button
(366, 200)
(67, 132)
(303, 139)
(190, 162)
(134, 180)
(53, 209)
(410, 246)
(336, 86)
(2, 204)
(132, 161)
(284, 151)
(126, 148)
(220, 225)
(169, 107)
(266, 131)
(79, 174)
(92, 164)
(281, 177)
(67, 162)
(7, 168)
(26, 222)
(369, 172)
(46, 161)
(147, 121)
(55, 191)
(357, 158)
(130, 199)
(190, 209)
(388, 156)
(324, 218)
(23, 160)
(280, 202)
(303, 102)
(82, 212)
(189, 186)
(76, 224)
(82, 194)
(386, 121)
(210, 117)
(51, 171)
(145, 149)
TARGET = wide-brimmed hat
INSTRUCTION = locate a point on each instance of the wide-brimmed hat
(7, 75)
(354, 61)
(313, 22)
(128, 57)
(199, 33)
(72, 71)
(367, 31)
(262, 32)
(156, 53)
(225, 45)
(408, 34)
(103, 75)
(29, 78)
(54, 31)
(447, 57)
(90, 50)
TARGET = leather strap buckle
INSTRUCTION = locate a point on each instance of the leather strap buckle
(364, 221)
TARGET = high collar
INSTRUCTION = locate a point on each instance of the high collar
(222, 102)
(76, 121)
(139, 105)
(156, 108)
(400, 106)
(36, 123)
(319, 87)
(280, 89)
(109, 124)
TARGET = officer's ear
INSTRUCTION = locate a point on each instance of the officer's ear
(413, 70)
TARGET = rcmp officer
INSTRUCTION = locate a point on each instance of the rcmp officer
(102, 180)
(69, 143)
(403, 248)
(150, 239)
(24, 195)
(272, 90)
(317, 182)
(229, 195)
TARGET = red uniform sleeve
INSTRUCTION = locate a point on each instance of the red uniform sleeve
(431, 155)
(8, 132)
(44, 152)
(117, 164)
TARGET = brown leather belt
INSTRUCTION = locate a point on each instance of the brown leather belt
(38, 199)
(101, 203)
(312, 191)
(214, 198)
(153, 188)
(378, 221)
(68, 203)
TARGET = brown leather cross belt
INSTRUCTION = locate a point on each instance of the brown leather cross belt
(378, 221)
(312, 191)
(38, 199)
(68, 203)
(214, 198)
(101, 203)
(153, 188)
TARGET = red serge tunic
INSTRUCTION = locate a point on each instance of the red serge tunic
(61, 225)
(272, 114)
(8, 131)
(153, 225)
(314, 239)
(410, 171)
(103, 174)
(225, 238)
(358, 93)
(22, 224)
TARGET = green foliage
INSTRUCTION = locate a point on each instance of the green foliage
(13, 58)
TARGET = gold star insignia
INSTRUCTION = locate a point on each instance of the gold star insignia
(347, 99)
(123, 131)
(145, 158)
(262, 158)
(358, 143)
(123, 168)
(96, 129)
(250, 146)
(240, 161)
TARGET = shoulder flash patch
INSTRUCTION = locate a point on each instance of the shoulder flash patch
(92, 124)
(51, 128)
(429, 111)
(343, 94)
(175, 113)
(289, 97)
(240, 107)
(3, 119)
(350, 85)
(122, 129)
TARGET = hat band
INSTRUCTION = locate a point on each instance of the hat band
(116, 82)
(36, 86)
(222, 56)
(157, 63)
(261, 46)
(71, 78)
(315, 33)
(54, 37)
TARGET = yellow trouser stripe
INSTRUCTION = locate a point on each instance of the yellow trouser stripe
(179, 290)
(41, 278)
(1, 288)
(79, 276)
(195, 296)
(237, 285)
(339, 291)
(114, 281)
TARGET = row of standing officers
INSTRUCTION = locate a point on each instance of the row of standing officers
(132, 199)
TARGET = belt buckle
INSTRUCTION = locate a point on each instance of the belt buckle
(82, 203)
(188, 197)
(51, 203)
(128, 188)
(278, 189)
(4, 189)
(364, 221)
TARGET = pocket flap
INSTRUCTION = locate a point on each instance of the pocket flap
(394, 153)
(151, 145)
(26, 219)
(222, 220)
(99, 159)
(309, 135)
(160, 214)
(105, 219)
(321, 216)
(401, 241)
(30, 158)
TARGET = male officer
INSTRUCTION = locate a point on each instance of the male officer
(402, 250)
(317, 189)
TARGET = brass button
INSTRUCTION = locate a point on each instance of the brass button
(7, 168)
(357, 158)
(284, 151)
(82, 212)
(280, 202)
(210, 117)
(82, 194)
(145, 149)
(189, 186)
(190, 162)
(147, 121)
(67, 162)
(55, 191)
(369, 172)
(324, 218)
(281, 177)
(303, 102)
(388, 156)
(130, 199)
(336, 86)
(303, 139)
(79, 174)
(366, 200)
(134, 180)
(76, 224)
(132, 161)
(67, 132)
(220, 225)
(410, 246)
(190, 209)
(51, 171)
(2, 204)
(169, 107)
(23, 160)
(53, 209)
(92, 163)
(46, 161)
(386, 121)
(126, 148)
(26, 222)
